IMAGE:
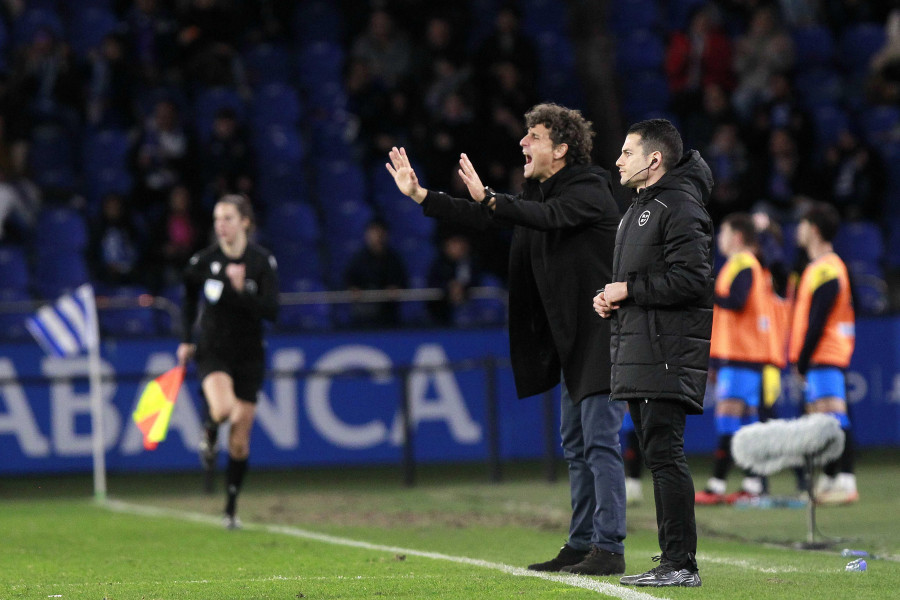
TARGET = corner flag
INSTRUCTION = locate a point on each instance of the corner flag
(154, 409)
(69, 326)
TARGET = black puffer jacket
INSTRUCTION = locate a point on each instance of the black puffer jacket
(660, 334)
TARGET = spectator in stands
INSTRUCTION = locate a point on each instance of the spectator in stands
(785, 178)
(730, 164)
(111, 86)
(885, 66)
(178, 236)
(703, 120)
(455, 270)
(855, 178)
(151, 30)
(377, 266)
(46, 75)
(117, 246)
(507, 43)
(228, 160)
(208, 35)
(385, 48)
(783, 110)
(163, 156)
(696, 57)
(765, 49)
(453, 128)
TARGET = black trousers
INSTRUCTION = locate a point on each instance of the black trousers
(659, 425)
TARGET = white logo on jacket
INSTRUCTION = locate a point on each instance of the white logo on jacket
(212, 289)
(215, 267)
(645, 216)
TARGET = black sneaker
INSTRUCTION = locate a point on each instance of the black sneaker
(598, 562)
(664, 575)
(567, 556)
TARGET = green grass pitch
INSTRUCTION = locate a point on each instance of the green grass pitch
(360, 533)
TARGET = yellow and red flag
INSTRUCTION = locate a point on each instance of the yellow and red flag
(154, 409)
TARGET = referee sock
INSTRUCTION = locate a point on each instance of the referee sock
(234, 478)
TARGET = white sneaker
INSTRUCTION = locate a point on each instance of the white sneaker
(634, 494)
(823, 485)
(232, 522)
(842, 492)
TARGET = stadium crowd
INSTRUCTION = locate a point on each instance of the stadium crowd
(121, 122)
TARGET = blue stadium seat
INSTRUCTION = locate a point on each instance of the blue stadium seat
(13, 268)
(291, 221)
(298, 260)
(858, 43)
(281, 182)
(276, 104)
(130, 321)
(628, 15)
(543, 16)
(880, 124)
(320, 63)
(58, 271)
(814, 46)
(860, 241)
(60, 229)
(328, 97)
(346, 217)
(33, 20)
(829, 121)
(340, 251)
(415, 312)
(639, 50)
(332, 136)
(51, 157)
(339, 180)
(317, 21)
(13, 316)
(820, 86)
(311, 317)
(277, 145)
(405, 218)
(418, 253)
(87, 28)
(209, 101)
(482, 312)
(105, 148)
(870, 290)
(645, 92)
(679, 13)
(266, 63)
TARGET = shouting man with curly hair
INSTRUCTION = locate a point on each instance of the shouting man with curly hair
(564, 227)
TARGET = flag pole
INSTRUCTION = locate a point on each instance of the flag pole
(96, 393)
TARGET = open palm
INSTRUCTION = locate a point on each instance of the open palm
(404, 175)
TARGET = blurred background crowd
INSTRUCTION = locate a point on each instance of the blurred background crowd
(121, 122)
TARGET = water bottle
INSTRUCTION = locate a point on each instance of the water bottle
(856, 565)
(847, 552)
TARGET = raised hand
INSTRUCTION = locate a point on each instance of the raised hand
(404, 175)
(470, 177)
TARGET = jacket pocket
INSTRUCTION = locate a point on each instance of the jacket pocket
(655, 340)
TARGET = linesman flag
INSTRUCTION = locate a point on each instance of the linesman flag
(154, 409)
(67, 327)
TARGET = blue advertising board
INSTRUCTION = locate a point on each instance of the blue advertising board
(336, 399)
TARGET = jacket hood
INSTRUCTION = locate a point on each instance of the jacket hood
(690, 175)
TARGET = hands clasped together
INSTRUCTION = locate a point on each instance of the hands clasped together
(610, 298)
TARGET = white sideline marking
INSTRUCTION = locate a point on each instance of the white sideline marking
(578, 581)
(746, 564)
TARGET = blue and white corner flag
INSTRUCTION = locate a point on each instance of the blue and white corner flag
(69, 326)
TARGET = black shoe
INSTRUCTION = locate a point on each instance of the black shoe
(567, 556)
(665, 575)
(598, 562)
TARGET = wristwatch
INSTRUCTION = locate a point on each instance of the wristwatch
(490, 197)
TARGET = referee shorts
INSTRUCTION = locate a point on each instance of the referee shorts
(246, 373)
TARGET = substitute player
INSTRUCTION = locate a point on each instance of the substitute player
(744, 343)
(822, 341)
(238, 282)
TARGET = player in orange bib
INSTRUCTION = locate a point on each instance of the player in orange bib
(744, 344)
(822, 341)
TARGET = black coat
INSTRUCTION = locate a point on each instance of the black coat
(664, 251)
(561, 253)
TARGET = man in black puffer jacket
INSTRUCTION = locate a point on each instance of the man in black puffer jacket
(660, 302)
(564, 227)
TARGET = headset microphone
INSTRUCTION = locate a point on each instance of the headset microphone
(652, 162)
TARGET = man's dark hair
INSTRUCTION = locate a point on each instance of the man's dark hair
(823, 217)
(660, 135)
(567, 126)
(743, 224)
